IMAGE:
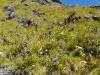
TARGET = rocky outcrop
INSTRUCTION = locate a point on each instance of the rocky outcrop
(46, 1)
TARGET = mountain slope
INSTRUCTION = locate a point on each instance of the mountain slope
(50, 39)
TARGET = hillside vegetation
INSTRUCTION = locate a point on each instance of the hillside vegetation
(49, 39)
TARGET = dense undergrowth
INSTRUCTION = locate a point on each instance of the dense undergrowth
(50, 44)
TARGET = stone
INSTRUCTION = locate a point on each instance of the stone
(25, 22)
(2, 54)
(7, 70)
(54, 59)
(11, 15)
(9, 8)
(96, 18)
(69, 19)
(41, 1)
(73, 18)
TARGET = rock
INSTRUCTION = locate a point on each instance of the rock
(72, 18)
(96, 18)
(54, 59)
(89, 16)
(68, 20)
(41, 1)
(2, 54)
(76, 19)
(7, 70)
(9, 8)
(25, 22)
(11, 15)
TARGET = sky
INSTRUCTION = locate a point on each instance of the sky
(81, 2)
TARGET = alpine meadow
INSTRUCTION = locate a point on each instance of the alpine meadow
(46, 37)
